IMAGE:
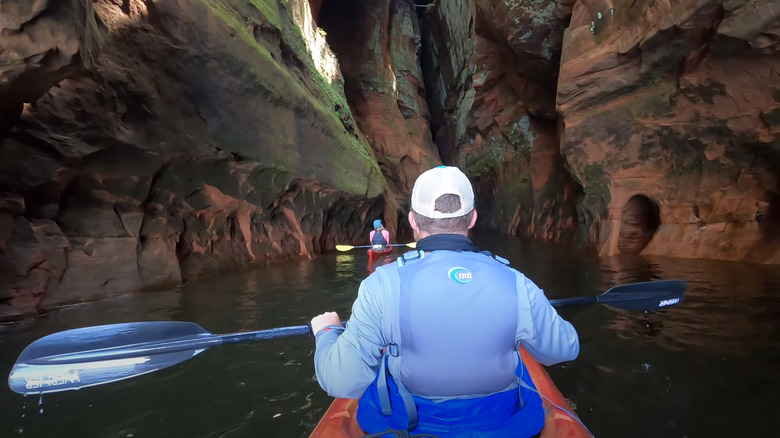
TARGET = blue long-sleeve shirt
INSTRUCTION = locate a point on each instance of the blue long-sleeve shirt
(347, 359)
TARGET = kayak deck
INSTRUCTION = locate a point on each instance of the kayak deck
(340, 419)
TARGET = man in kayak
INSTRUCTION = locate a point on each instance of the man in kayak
(379, 236)
(432, 343)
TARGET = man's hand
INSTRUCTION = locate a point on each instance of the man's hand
(319, 322)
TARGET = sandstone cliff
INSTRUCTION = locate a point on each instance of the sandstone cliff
(143, 142)
(512, 149)
(150, 141)
(671, 126)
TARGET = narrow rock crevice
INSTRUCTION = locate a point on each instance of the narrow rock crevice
(377, 45)
(447, 37)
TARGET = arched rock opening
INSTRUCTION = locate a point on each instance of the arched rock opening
(639, 221)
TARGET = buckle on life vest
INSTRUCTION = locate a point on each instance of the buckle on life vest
(501, 259)
(392, 350)
(410, 256)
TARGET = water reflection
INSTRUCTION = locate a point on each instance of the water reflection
(697, 369)
(345, 266)
(379, 261)
(733, 301)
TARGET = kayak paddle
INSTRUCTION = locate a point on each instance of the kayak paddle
(349, 247)
(90, 356)
(650, 295)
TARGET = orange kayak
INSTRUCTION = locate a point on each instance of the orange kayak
(340, 420)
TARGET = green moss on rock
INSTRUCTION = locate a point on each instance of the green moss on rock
(486, 160)
(597, 193)
(343, 158)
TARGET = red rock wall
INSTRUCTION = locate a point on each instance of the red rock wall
(677, 102)
(513, 156)
(447, 58)
(512, 150)
(142, 142)
(378, 46)
(197, 138)
(43, 42)
(532, 32)
(383, 83)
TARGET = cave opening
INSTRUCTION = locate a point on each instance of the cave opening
(640, 219)
(769, 218)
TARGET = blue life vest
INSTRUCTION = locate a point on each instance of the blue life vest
(379, 239)
(426, 386)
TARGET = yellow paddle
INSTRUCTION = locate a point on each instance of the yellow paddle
(349, 247)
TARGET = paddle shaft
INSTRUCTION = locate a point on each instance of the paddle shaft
(260, 335)
(577, 301)
(90, 356)
(194, 342)
(635, 296)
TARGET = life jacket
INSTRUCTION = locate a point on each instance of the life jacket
(423, 384)
(379, 238)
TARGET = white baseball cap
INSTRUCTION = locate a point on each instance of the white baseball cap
(442, 180)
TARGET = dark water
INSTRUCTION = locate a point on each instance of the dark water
(706, 368)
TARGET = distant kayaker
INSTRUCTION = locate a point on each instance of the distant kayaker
(379, 236)
(432, 343)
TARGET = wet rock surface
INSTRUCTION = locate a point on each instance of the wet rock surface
(143, 143)
(199, 137)
(675, 102)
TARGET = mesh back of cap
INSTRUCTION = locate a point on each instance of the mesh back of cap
(440, 181)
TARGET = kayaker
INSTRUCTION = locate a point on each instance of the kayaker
(432, 343)
(379, 236)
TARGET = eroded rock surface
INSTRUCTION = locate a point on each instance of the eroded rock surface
(147, 141)
(449, 40)
(512, 148)
(523, 187)
(378, 43)
(200, 136)
(677, 102)
(532, 31)
(43, 42)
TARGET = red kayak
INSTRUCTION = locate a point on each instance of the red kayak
(340, 420)
(374, 253)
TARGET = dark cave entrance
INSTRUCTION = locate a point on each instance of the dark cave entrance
(769, 217)
(640, 219)
(772, 213)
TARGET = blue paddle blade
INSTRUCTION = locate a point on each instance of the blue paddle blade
(648, 296)
(43, 379)
(90, 356)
